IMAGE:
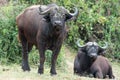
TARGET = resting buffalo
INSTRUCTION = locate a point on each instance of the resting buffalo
(86, 53)
(100, 68)
(44, 27)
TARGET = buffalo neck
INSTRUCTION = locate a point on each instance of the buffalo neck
(55, 32)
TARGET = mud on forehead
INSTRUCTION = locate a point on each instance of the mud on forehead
(91, 43)
(58, 10)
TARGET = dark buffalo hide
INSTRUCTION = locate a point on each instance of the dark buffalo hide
(101, 67)
(86, 55)
(44, 27)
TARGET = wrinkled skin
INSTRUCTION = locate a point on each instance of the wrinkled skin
(44, 27)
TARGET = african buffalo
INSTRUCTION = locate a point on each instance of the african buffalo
(44, 27)
(86, 53)
(101, 67)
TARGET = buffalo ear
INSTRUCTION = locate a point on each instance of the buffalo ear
(83, 49)
(68, 16)
(101, 51)
(47, 17)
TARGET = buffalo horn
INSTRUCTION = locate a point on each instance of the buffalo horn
(106, 45)
(72, 14)
(45, 11)
(78, 44)
(75, 13)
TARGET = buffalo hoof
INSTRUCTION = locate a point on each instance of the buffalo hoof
(53, 74)
(40, 71)
(26, 68)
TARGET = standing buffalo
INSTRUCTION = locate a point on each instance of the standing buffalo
(101, 67)
(44, 27)
(86, 55)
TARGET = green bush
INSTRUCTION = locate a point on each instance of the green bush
(98, 20)
(10, 50)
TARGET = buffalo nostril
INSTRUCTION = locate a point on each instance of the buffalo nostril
(93, 55)
(57, 23)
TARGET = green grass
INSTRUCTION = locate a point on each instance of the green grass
(14, 71)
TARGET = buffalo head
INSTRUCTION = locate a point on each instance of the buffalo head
(57, 15)
(92, 49)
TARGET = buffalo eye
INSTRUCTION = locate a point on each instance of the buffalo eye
(83, 49)
(101, 51)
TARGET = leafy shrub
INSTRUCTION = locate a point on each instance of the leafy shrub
(10, 50)
(98, 20)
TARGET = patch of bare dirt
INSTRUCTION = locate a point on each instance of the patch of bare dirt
(69, 59)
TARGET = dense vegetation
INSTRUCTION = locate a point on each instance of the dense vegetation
(98, 20)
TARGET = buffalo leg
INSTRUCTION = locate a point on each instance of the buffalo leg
(25, 65)
(110, 74)
(77, 66)
(98, 75)
(42, 58)
(30, 47)
(53, 60)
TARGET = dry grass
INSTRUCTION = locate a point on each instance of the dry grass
(14, 72)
